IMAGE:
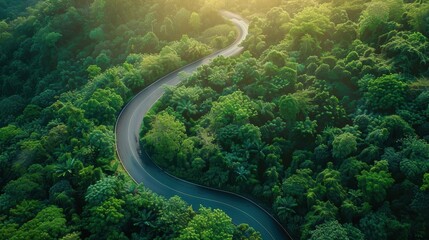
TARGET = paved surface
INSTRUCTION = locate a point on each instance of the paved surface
(141, 168)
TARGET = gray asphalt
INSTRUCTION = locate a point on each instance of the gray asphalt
(142, 169)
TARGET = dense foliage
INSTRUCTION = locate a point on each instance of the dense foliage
(67, 67)
(324, 118)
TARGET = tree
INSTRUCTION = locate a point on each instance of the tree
(235, 108)
(284, 207)
(175, 216)
(375, 182)
(165, 137)
(103, 106)
(102, 190)
(25, 211)
(425, 185)
(149, 43)
(195, 21)
(320, 213)
(329, 230)
(101, 142)
(289, 108)
(9, 133)
(245, 232)
(28, 186)
(386, 93)
(309, 46)
(373, 20)
(349, 168)
(49, 223)
(397, 127)
(97, 34)
(419, 19)
(186, 107)
(275, 18)
(106, 218)
(382, 224)
(298, 185)
(408, 50)
(346, 32)
(93, 71)
(414, 155)
(208, 224)
(344, 145)
(313, 23)
(67, 168)
(329, 185)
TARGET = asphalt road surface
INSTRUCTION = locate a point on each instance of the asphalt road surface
(142, 169)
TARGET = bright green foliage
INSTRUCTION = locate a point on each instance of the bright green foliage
(49, 223)
(235, 108)
(373, 21)
(195, 21)
(8, 133)
(103, 105)
(176, 214)
(419, 20)
(329, 184)
(344, 145)
(104, 189)
(165, 137)
(208, 224)
(309, 28)
(330, 230)
(106, 218)
(375, 182)
(425, 185)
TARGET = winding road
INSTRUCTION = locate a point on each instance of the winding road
(140, 167)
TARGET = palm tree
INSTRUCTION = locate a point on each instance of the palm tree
(111, 168)
(242, 174)
(284, 207)
(186, 107)
(145, 220)
(66, 168)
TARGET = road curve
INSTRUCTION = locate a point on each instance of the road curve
(142, 169)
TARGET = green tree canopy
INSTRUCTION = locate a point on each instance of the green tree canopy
(165, 137)
(375, 182)
(208, 224)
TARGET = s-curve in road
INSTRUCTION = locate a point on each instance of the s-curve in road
(141, 168)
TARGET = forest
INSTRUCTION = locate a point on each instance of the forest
(323, 119)
(67, 68)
